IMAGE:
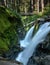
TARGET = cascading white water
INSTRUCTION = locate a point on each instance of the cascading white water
(24, 56)
(24, 43)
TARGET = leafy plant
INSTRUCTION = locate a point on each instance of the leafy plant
(10, 22)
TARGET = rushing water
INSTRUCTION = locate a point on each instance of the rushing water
(24, 43)
(30, 43)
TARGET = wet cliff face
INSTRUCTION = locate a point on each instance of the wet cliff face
(10, 32)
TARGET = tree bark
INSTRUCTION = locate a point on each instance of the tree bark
(37, 6)
(42, 4)
(31, 5)
(5, 2)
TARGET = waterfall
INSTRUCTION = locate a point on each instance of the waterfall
(24, 56)
(24, 43)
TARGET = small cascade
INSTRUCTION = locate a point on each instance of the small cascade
(24, 43)
(33, 41)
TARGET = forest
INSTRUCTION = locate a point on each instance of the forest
(17, 17)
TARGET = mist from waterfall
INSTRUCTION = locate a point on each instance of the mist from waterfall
(32, 42)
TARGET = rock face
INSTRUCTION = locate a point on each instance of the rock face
(9, 63)
(46, 60)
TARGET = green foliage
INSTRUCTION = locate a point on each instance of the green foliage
(9, 23)
(28, 19)
(47, 10)
(4, 23)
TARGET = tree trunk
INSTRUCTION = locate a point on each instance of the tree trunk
(5, 2)
(42, 4)
(31, 5)
(37, 6)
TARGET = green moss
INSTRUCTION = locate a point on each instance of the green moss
(46, 10)
(9, 22)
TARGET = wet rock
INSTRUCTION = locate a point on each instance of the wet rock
(9, 63)
(46, 60)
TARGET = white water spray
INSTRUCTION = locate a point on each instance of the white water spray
(24, 43)
(24, 56)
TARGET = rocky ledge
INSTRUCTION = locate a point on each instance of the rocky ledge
(4, 61)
